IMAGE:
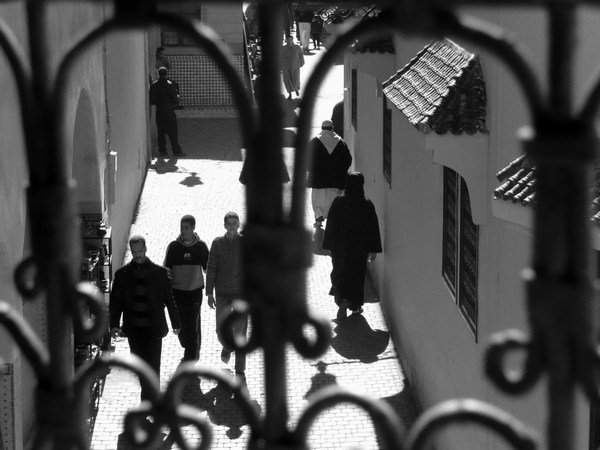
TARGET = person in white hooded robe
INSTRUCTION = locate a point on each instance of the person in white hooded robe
(330, 161)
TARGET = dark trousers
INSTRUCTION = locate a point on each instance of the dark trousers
(144, 344)
(239, 328)
(166, 125)
(188, 305)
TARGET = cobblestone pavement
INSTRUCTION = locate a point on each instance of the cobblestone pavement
(361, 357)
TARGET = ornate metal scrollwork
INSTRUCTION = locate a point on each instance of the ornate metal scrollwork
(563, 339)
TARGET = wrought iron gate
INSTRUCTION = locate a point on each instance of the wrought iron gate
(562, 142)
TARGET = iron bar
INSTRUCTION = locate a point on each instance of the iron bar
(561, 34)
(301, 157)
(562, 309)
(53, 221)
(472, 412)
(265, 214)
(350, 3)
(26, 339)
(204, 37)
(390, 431)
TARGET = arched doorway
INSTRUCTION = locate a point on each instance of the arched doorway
(86, 166)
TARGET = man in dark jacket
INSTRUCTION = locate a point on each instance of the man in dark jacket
(140, 292)
(163, 94)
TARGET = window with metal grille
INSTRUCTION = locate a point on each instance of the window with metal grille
(460, 247)
(170, 37)
(354, 101)
(387, 142)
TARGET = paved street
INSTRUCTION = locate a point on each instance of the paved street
(361, 356)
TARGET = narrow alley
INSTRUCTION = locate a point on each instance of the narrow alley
(361, 357)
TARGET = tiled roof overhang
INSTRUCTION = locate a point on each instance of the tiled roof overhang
(519, 186)
(441, 89)
(518, 182)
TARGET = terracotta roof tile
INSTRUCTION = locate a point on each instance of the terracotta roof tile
(519, 186)
(441, 89)
(518, 182)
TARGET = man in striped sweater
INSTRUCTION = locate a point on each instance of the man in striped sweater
(186, 259)
(140, 293)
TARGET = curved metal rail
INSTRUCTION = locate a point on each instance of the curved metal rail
(561, 295)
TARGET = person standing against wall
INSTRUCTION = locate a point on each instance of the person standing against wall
(224, 276)
(139, 293)
(163, 94)
(352, 236)
(186, 258)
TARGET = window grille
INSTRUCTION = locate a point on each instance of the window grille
(387, 142)
(460, 247)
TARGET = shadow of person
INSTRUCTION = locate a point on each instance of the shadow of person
(163, 165)
(220, 406)
(191, 180)
(290, 115)
(355, 339)
(320, 379)
(166, 442)
(405, 406)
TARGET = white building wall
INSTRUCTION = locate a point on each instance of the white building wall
(440, 355)
(66, 23)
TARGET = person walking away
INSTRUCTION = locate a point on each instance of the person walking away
(164, 96)
(292, 59)
(337, 117)
(304, 17)
(331, 160)
(139, 294)
(316, 29)
(352, 236)
(224, 276)
(187, 258)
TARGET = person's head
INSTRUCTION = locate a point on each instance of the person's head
(137, 245)
(354, 185)
(163, 72)
(187, 225)
(327, 125)
(160, 51)
(289, 40)
(231, 223)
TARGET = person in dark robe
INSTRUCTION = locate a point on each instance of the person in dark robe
(352, 236)
(337, 117)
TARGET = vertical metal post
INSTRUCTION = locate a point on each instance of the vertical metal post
(562, 287)
(54, 234)
(265, 214)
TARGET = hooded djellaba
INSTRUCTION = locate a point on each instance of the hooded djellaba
(352, 236)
